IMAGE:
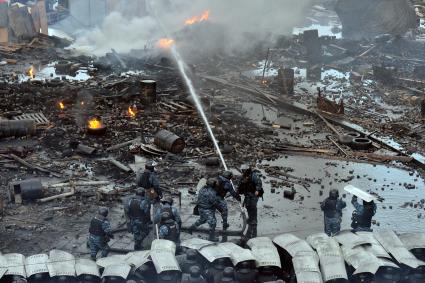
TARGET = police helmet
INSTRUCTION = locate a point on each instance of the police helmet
(228, 175)
(211, 182)
(167, 199)
(195, 271)
(229, 272)
(150, 165)
(103, 211)
(140, 192)
(334, 194)
(165, 215)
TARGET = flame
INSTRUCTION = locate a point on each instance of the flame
(165, 43)
(95, 123)
(30, 72)
(132, 111)
(61, 105)
(197, 19)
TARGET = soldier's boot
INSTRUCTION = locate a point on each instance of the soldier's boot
(212, 236)
(138, 245)
(191, 228)
(225, 225)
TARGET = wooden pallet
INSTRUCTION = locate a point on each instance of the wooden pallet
(178, 106)
(39, 118)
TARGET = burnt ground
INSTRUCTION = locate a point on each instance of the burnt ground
(289, 147)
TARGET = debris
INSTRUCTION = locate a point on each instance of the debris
(120, 165)
(17, 128)
(169, 141)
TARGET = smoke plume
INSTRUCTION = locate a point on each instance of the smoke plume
(233, 25)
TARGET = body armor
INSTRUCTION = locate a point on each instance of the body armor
(96, 227)
(134, 210)
(330, 208)
(246, 185)
(221, 191)
(365, 220)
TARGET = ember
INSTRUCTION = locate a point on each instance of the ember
(165, 43)
(30, 72)
(61, 105)
(197, 19)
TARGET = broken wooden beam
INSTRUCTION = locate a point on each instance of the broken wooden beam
(120, 165)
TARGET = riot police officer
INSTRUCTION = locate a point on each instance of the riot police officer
(251, 187)
(100, 233)
(168, 219)
(362, 216)
(148, 180)
(332, 208)
(207, 204)
(138, 217)
(224, 186)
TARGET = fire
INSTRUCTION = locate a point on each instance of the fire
(197, 19)
(95, 123)
(30, 72)
(165, 43)
(132, 111)
(61, 105)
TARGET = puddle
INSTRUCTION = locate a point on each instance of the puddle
(258, 72)
(48, 72)
(305, 217)
(324, 30)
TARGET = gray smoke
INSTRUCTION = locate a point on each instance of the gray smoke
(235, 19)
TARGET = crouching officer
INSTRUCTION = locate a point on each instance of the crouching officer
(169, 222)
(207, 204)
(138, 217)
(251, 187)
(224, 186)
(362, 215)
(332, 208)
(100, 234)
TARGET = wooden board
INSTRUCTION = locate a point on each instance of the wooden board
(4, 35)
(44, 28)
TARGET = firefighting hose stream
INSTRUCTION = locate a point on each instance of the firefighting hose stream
(197, 101)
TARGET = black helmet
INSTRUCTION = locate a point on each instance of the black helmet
(150, 165)
(191, 254)
(103, 211)
(212, 182)
(140, 192)
(167, 199)
(165, 216)
(333, 194)
(195, 271)
(228, 175)
(228, 273)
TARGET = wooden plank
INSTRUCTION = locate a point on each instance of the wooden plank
(44, 28)
(4, 35)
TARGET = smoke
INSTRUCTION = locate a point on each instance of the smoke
(233, 24)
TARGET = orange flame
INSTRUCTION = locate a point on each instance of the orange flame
(30, 72)
(197, 19)
(165, 43)
(132, 111)
(61, 105)
(95, 124)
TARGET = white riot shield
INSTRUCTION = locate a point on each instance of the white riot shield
(195, 243)
(138, 258)
(61, 263)
(349, 239)
(374, 246)
(292, 244)
(87, 267)
(264, 251)
(120, 270)
(3, 264)
(315, 239)
(332, 262)
(111, 260)
(388, 239)
(15, 264)
(359, 193)
(213, 252)
(306, 267)
(236, 253)
(413, 240)
(163, 256)
(36, 264)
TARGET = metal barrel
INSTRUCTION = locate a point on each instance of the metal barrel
(17, 128)
(169, 141)
(148, 91)
(29, 189)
